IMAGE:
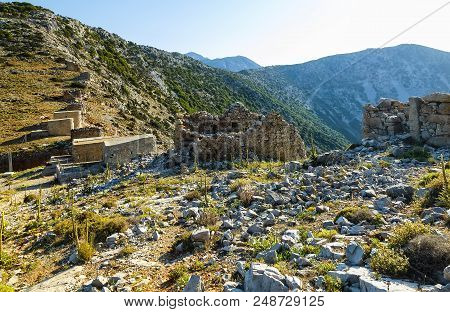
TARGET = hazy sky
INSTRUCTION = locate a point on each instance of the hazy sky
(269, 32)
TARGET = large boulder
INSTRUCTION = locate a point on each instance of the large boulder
(201, 235)
(261, 277)
(276, 199)
(437, 98)
(401, 190)
(332, 251)
(447, 273)
(354, 253)
(194, 284)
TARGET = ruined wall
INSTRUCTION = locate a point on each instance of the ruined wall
(75, 115)
(86, 132)
(120, 150)
(426, 120)
(86, 150)
(237, 134)
(111, 150)
(60, 127)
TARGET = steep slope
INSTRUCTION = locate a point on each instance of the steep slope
(336, 87)
(133, 88)
(232, 63)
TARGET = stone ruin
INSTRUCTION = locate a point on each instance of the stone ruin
(238, 134)
(424, 120)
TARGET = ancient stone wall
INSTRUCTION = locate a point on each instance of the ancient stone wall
(86, 132)
(60, 127)
(113, 150)
(119, 150)
(425, 120)
(237, 134)
(75, 115)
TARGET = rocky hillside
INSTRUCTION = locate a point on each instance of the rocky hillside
(133, 89)
(359, 220)
(336, 87)
(232, 63)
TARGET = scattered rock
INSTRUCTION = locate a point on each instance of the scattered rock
(263, 278)
(354, 253)
(194, 284)
(201, 235)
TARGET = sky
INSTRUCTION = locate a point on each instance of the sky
(270, 32)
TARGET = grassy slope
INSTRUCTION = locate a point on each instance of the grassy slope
(133, 89)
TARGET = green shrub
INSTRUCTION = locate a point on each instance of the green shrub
(357, 215)
(324, 267)
(263, 243)
(7, 260)
(6, 288)
(30, 198)
(332, 284)
(127, 251)
(324, 233)
(184, 239)
(389, 262)
(438, 193)
(100, 227)
(195, 194)
(428, 255)
(110, 203)
(197, 266)
(405, 232)
(309, 249)
(85, 251)
(418, 153)
(177, 271)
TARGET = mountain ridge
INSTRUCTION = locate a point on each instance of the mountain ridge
(356, 79)
(232, 63)
(133, 88)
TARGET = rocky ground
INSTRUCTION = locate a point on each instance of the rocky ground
(360, 220)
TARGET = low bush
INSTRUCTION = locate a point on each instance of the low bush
(419, 153)
(184, 239)
(177, 271)
(405, 232)
(127, 251)
(389, 262)
(6, 288)
(428, 255)
(195, 194)
(324, 233)
(30, 198)
(7, 260)
(209, 216)
(263, 243)
(324, 267)
(246, 195)
(85, 251)
(357, 215)
(333, 284)
(100, 227)
(309, 249)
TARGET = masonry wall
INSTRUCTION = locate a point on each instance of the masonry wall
(60, 127)
(86, 150)
(237, 134)
(75, 115)
(87, 132)
(425, 120)
(121, 150)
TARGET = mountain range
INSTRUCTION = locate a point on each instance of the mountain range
(232, 63)
(136, 88)
(133, 88)
(336, 87)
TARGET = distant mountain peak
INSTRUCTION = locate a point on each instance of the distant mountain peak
(231, 63)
